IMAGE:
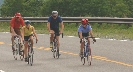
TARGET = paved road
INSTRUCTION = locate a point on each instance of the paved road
(108, 56)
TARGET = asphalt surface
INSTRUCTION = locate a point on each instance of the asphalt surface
(108, 56)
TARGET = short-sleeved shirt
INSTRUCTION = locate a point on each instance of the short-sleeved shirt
(16, 24)
(54, 23)
(27, 31)
(84, 30)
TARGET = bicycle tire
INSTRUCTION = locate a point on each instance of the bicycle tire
(84, 61)
(31, 58)
(28, 58)
(57, 53)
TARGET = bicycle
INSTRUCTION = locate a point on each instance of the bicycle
(54, 49)
(86, 51)
(17, 46)
(30, 53)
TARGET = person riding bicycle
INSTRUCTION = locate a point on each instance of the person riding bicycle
(53, 27)
(27, 33)
(15, 23)
(83, 31)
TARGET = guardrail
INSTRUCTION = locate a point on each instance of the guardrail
(77, 19)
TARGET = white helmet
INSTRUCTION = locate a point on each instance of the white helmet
(54, 12)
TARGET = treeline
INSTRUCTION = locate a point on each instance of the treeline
(69, 8)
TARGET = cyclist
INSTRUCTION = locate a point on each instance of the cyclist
(27, 33)
(83, 31)
(15, 23)
(53, 27)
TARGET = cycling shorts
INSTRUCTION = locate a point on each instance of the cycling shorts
(56, 30)
(27, 37)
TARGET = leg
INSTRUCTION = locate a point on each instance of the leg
(89, 45)
(26, 47)
(51, 38)
(57, 37)
(81, 48)
(32, 42)
(18, 32)
(12, 39)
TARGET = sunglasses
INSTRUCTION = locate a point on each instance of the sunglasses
(17, 17)
(54, 16)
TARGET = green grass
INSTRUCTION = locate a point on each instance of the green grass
(99, 30)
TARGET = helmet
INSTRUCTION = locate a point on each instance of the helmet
(17, 15)
(27, 22)
(87, 20)
(84, 21)
(54, 12)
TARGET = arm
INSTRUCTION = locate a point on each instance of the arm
(48, 26)
(92, 36)
(80, 35)
(35, 34)
(22, 22)
(11, 26)
(62, 27)
(22, 33)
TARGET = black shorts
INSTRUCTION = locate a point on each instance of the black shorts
(84, 34)
(56, 30)
(27, 37)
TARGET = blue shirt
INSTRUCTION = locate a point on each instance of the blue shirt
(84, 30)
(54, 23)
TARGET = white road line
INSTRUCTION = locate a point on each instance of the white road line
(123, 40)
(72, 36)
(2, 71)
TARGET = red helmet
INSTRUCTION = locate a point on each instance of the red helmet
(87, 20)
(17, 15)
(84, 21)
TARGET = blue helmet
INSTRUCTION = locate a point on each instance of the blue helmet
(27, 22)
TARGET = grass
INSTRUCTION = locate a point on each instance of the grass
(104, 30)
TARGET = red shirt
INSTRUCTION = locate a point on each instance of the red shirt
(16, 24)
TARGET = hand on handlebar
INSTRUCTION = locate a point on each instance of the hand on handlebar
(94, 40)
(36, 40)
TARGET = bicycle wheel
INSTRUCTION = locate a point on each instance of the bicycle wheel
(31, 57)
(57, 53)
(31, 60)
(89, 58)
(54, 51)
(15, 52)
(28, 59)
(84, 58)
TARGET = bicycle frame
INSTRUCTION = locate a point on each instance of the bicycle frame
(86, 53)
(55, 44)
(30, 53)
(17, 47)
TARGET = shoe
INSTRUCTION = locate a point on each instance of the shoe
(26, 59)
(51, 45)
